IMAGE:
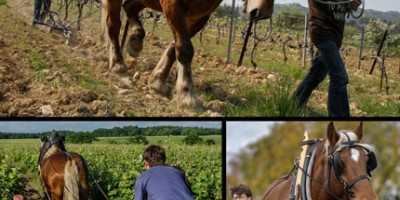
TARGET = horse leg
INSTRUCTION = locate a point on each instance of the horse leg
(159, 75)
(184, 51)
(158, 79)
(136, 33)
(111, 19)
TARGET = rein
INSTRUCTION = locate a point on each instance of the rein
(318, 183)
(256, 40)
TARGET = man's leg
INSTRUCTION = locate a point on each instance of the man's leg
(315, 75)
(46, 9)
(338, 101)
(36, 11)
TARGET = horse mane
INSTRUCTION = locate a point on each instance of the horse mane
(52, 150)
(277, 182)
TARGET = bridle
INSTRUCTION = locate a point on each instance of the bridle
(336, 163)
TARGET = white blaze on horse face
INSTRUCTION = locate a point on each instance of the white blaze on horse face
(355, 155)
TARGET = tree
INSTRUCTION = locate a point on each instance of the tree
(139, 139)
(81, 138)
(192, 138)
(209, 142)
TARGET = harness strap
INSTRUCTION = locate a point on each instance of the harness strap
(353, 182)
(319, 184)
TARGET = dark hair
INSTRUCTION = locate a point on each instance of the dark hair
(154, 155)
(241, 189)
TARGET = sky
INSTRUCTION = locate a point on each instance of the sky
(43, 126)
(241, 134)
(380, 5)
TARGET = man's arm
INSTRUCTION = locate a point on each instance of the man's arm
(140, 191)
(355, 4)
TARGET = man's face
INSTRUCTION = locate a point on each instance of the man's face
(241, 197)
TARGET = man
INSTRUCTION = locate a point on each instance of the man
(38, 13)
(241, 192)
(326, 31)
(160, 181)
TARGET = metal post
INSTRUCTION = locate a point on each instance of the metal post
(305, 39)
(361, 46)
(246, 39)
(379, 51)
(231, 33)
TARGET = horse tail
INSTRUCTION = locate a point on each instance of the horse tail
(71, 188)
(104, 16)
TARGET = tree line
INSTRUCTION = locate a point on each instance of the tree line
(127, 131)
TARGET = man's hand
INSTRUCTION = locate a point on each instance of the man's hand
(354, 4)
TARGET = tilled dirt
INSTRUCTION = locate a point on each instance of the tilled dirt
(74, 80)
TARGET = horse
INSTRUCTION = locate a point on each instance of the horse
(339, 168)
(64, 175)
(185, 18)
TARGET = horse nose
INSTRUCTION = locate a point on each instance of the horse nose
(254, 14)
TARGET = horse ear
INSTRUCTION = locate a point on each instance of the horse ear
(359, 131)
(43, 139)
(54, 133)
(332, 135)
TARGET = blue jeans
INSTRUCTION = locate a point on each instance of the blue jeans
(37, 10)
(327, 61)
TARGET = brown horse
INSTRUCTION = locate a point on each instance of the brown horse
(64, 175)
(340, 168)
(185, 18)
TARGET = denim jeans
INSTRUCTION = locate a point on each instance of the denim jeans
(37, 10)
(327, 61)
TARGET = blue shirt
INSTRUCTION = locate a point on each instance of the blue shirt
(162, 183)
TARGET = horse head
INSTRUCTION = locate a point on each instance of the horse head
(51, 144)
(351, 163)
(258, 9)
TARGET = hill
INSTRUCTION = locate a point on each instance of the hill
(389, 17)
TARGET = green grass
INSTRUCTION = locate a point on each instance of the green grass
(39, 65)
(88, 81)
(265, 100)
(3, 2)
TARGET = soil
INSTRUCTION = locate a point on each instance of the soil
(55, 89)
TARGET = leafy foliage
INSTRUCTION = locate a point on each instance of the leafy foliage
(139, 139)
(81, 138)
(10, 180)
(192, 138)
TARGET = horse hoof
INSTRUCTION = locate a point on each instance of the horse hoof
(160, 88)
(119, 68)
(189, 101)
